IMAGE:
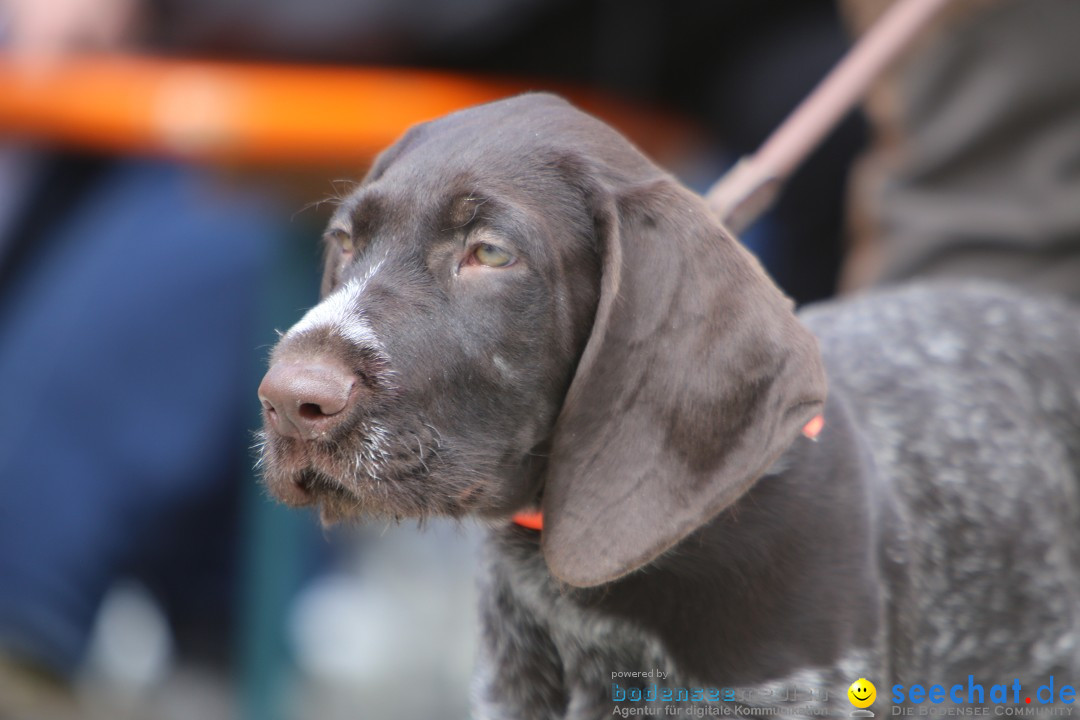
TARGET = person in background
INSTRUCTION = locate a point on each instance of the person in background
(128, 322)
(975, 166)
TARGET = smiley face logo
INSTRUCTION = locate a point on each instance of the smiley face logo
(862, 693)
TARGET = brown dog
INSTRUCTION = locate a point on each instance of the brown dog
(520, 310)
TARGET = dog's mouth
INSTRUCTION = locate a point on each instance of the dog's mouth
(294, 475)
(298, 473)
(404, 475)
(336, 502)
(336, 498)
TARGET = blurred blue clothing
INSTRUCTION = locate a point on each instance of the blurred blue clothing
(127, 337)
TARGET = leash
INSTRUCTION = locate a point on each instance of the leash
(749, 188)
(534, 519)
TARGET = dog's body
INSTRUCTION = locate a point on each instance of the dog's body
(522, 310)
(931, 534)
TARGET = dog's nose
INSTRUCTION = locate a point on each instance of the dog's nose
(307, 399)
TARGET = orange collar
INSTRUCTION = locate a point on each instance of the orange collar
(534, 519)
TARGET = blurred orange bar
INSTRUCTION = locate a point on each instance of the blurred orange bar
(249, 112)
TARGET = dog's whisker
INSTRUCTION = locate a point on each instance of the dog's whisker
(316, 204)
(349, 184)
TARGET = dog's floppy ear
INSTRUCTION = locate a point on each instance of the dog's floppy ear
(695, 378)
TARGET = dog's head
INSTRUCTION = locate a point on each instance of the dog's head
(520, 308)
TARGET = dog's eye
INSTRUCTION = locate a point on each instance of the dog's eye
(344, 240)
(492, 256)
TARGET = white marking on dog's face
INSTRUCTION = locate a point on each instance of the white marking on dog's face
(339, 313)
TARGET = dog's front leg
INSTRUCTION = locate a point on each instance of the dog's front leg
(518, 675)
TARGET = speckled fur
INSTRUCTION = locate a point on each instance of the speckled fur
(969, 398)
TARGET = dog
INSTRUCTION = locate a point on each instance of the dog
(742, 509)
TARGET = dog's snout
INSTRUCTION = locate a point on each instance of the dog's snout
(307, 399)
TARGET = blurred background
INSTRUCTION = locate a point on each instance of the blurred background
(162, 168)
